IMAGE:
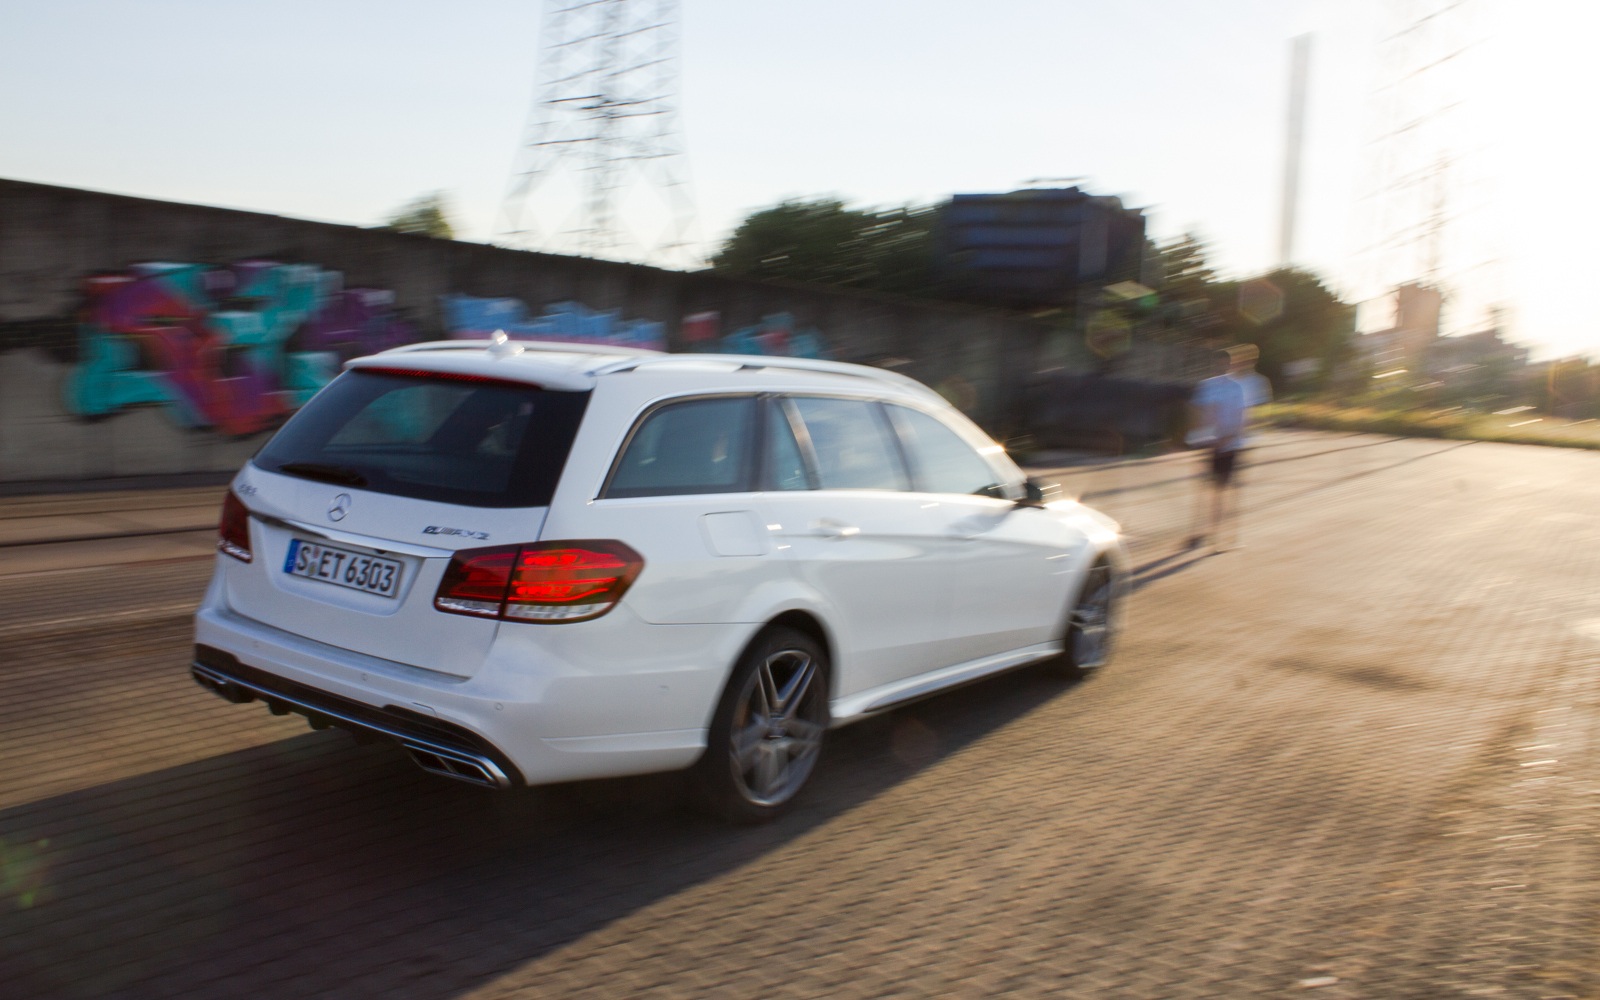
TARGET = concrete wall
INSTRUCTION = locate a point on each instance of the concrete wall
(141, 337)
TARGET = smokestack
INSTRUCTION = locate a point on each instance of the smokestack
(1294, 142)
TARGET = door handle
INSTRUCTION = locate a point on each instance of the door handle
(829, 528)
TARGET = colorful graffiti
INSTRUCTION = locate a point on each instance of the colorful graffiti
(232, 348)
(238, 348)
(774, 335)
(471, 318)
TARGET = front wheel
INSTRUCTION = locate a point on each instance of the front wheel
(767, 733)
(1092, 624)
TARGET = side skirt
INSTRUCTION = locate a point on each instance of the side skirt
(891, 696)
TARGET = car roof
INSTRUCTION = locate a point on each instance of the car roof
(578, 367)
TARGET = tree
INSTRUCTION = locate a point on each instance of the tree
(1308, 322)
(1289, 314)
(1572, 388)
(424, 215)
(823, 241)
(1185, 273)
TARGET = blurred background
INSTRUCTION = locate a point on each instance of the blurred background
(1357, 757)
(1051, 211)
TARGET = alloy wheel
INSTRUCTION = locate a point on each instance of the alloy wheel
(777, 727)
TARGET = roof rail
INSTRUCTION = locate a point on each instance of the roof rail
(547, 346)
(767, 361)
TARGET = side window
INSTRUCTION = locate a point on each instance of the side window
(853, 444)
(696, 446)
(786, 465)
(941, 460)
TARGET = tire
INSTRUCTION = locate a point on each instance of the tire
(1091, 630)
(767, 733)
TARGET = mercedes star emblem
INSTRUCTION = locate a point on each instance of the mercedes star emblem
(339, 508)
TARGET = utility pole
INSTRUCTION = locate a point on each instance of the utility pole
(601, 169)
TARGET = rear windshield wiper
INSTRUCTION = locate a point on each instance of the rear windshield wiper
(326, 473)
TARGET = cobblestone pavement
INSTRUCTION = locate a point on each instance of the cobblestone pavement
(1358, 758)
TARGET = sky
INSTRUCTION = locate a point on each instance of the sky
(343, 111)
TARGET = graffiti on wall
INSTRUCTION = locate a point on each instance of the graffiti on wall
(232, 348)
(471, 318)
(239, 347)
(774, 335)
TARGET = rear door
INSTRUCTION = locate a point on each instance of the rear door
(857, 536)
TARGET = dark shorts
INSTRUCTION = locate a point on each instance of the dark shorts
(1224, 462)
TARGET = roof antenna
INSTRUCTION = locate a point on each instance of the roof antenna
(500, 346)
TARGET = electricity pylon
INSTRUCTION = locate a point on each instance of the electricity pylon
(1420, 160)
(601, 170)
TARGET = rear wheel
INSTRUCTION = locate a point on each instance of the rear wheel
(767, 733)
(1092, 624)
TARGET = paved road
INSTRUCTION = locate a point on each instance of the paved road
(1358, 758)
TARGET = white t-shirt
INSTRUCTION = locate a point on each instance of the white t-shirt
(1225, 401)
(1257, 389)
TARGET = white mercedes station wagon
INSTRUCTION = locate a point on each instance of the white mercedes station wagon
(531, 563)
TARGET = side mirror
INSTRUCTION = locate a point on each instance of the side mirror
(1035, 494)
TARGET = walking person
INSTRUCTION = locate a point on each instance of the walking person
(1222, 407)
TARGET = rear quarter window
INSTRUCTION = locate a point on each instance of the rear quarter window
(687, 447)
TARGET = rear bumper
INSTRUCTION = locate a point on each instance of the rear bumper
(438, 747)
(549, 704)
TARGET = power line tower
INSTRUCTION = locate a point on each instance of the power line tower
(601, 171)
(1419, 188)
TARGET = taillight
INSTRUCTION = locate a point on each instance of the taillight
(543, 582)
(475, 582)
(233, 531)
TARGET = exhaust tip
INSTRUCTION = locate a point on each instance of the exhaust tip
(473, 770)
(463, 763)
(219, 686)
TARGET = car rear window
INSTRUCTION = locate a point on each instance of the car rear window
(472, 441)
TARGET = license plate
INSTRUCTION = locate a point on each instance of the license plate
(331, 564)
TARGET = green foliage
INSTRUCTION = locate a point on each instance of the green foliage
(1571, 389)
(1186, 275)
(824, 242)
(424, 215)
(1313, 324)
(1452, 424)
(1289, 314)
